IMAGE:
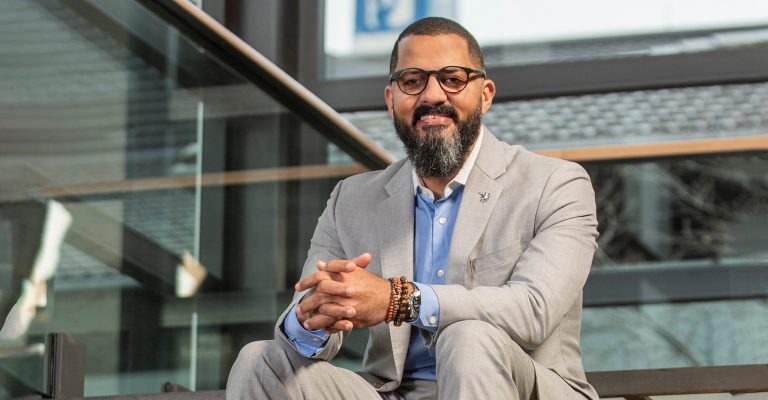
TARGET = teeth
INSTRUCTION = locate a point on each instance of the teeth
(429, 116)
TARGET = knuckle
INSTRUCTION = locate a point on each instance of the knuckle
(324, 285)
(328, 309)
(324, 309)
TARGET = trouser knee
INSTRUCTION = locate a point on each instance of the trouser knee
(477, 360)
(474, 340)
(254, 355)
(474, 336)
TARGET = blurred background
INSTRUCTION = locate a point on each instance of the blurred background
(158, 189)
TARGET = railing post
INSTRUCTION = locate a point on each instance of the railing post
(64, 366)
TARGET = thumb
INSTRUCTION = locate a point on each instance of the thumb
(362, 260)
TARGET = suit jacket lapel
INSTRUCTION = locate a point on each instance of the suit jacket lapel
(395, 225)
(479, 199)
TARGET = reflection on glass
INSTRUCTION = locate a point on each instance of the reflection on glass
(34, 283)
(168, 202)
(710, 208)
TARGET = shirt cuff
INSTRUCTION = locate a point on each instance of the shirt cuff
(308, 343)
(429, 311)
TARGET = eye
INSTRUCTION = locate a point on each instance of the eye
(412, 81)
(453, 79)
(411, 78)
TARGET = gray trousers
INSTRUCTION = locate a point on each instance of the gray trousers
(474, 361)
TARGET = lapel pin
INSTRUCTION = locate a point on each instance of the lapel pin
(484, 196)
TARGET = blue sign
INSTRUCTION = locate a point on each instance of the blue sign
(374, 16)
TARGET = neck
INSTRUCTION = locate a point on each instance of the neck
(437, 185)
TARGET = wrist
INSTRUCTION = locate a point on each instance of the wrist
(404, 301)
(394, 299)
(397, 300)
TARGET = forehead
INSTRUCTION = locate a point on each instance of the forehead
(433, 52)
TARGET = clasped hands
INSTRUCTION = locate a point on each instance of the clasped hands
(345, 295)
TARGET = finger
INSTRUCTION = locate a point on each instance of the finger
(301, 316)
(334, 288)
(311, 302)
(319, 321)
(344, 325)
(321, 265)
(339, 326)
(339, 266)
(311, 280)
(338, 311)
(362, 260)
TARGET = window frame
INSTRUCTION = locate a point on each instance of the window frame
(721, 66)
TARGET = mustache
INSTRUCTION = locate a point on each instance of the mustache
(444, 109)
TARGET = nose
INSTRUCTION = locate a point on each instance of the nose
(433, 93)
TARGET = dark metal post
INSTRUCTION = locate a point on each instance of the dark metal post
(64, 366)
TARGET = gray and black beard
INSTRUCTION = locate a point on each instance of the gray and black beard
(432, 154)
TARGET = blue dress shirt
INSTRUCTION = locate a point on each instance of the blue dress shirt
(435, 221)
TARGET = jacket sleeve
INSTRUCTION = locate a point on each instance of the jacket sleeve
(549, 275)
(325, 245)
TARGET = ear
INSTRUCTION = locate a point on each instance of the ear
(390, 101)
(489, 90)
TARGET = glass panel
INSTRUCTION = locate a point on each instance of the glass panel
(675, 335)
(153, 203)
(359, 34)
(674, 235)
(711, 210)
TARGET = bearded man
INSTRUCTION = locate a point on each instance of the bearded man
(466, 260)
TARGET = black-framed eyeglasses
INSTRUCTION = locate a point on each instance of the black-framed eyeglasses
(452, 79)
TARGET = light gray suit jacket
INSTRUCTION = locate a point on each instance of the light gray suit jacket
(517, 261)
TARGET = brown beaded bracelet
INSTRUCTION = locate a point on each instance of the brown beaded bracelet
(394, 299)
(391, 310)
(404, 309)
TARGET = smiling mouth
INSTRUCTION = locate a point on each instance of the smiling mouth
(434, 115)
(434, 119)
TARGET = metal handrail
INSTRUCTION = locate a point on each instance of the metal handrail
(257, 69)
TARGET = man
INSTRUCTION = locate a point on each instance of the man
(494, 242)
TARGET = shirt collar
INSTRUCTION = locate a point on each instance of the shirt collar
(461, 177)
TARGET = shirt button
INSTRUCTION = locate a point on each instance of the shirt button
(442, 220)
(432, 320)
(440, 272)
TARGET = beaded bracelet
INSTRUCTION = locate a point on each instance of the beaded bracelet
(391, 311)
(394, 299)
(405, 309)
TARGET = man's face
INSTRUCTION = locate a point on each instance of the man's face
(438, 128)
